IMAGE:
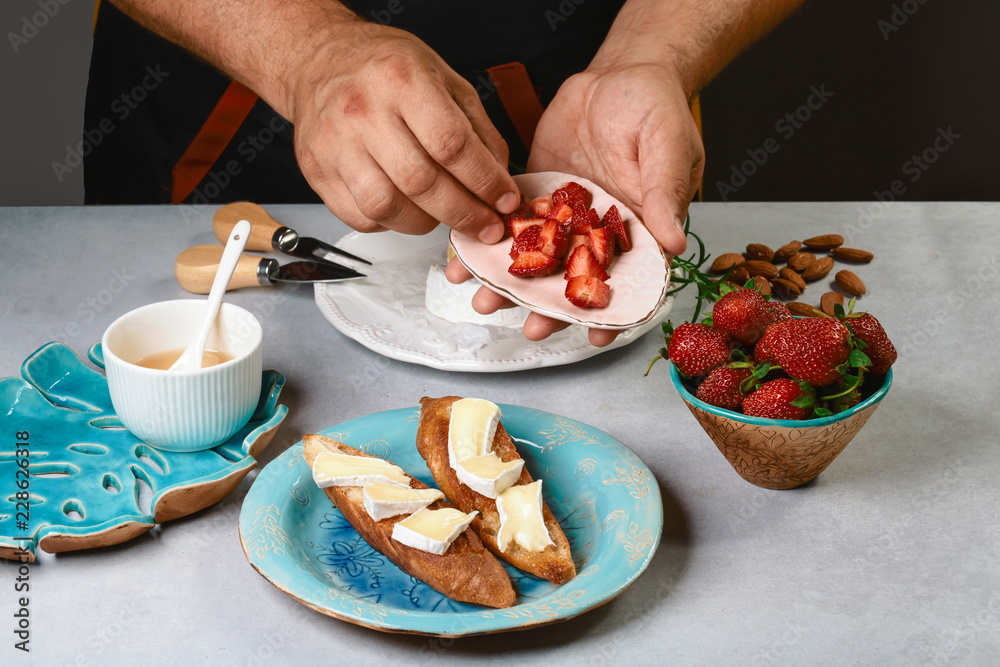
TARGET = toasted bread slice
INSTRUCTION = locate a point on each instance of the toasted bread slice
(467, 572)
(555, 562)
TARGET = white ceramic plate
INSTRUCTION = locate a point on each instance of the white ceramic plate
(638, 277)
(385, 312)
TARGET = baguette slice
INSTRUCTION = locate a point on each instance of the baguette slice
(467, 572)
(555, 562)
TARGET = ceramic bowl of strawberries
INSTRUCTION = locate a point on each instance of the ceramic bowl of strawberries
(780, 396)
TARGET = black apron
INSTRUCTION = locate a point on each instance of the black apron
(151, 104)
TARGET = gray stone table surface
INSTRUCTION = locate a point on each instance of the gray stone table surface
(890, 557)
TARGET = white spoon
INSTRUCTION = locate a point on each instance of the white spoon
(191, 359)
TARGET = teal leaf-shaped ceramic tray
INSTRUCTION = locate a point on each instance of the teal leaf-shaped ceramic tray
(79, 473)
(605, 498)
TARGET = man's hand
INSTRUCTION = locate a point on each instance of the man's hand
(628, 129)
(536, 327)
(391, 137)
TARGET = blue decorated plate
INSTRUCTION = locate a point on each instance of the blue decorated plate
(604, 496)
(76, 479)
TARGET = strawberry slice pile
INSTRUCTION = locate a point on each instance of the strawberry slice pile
(561, 229)
(751, 356)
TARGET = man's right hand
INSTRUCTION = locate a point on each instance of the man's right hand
(391, 137)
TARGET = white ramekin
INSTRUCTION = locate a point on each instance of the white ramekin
(183, 411)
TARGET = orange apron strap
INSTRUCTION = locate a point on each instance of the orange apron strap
(518, 97)
(213, 137)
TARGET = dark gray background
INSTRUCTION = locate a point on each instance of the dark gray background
(892, 91)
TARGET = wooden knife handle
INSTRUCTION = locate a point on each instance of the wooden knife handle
(262, 229)
(195, 269)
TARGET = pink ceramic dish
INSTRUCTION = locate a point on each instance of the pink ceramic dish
(639, 278)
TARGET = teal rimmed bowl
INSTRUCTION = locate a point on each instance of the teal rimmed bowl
(779, 453)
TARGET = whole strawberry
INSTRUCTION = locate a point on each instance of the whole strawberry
(778, 312)
(810, 349)
(722, 387)
(697, 348)
(880, 349)
(773, 400)
(742, 314)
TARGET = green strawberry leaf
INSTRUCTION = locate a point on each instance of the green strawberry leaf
(762, 369)
(859, 359)
(821, 412)
(804, 402)
(838, 311)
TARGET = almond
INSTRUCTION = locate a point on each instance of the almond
(801, 309)
(849, 282)
(791, 276)
(824, 242)
(739, 276)
(828, 300)
(759, 251)
(852, 255)
(785, 252)
(817, 269)
(764, 287)
(801, 260)
(758, 267)
(726, 261)
(786, 288)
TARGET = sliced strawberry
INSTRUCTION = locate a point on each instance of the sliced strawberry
(562, 213)
(553, 239)
(571, 192)
(583, 263)
(519, 225)
(613, 221)
(588, 292)
(520, 213)
(525, 241)
(580, 222)
(541, 206)
(595, 220)
(577, 240)
(533, 263)
(603, 245)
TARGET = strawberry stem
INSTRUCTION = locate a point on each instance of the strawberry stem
(845, 392)
(691, 272)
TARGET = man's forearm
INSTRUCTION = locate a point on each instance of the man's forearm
(698, 37)
(260, 43)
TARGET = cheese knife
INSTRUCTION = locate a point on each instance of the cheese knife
(195, 269)
(267, 234)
